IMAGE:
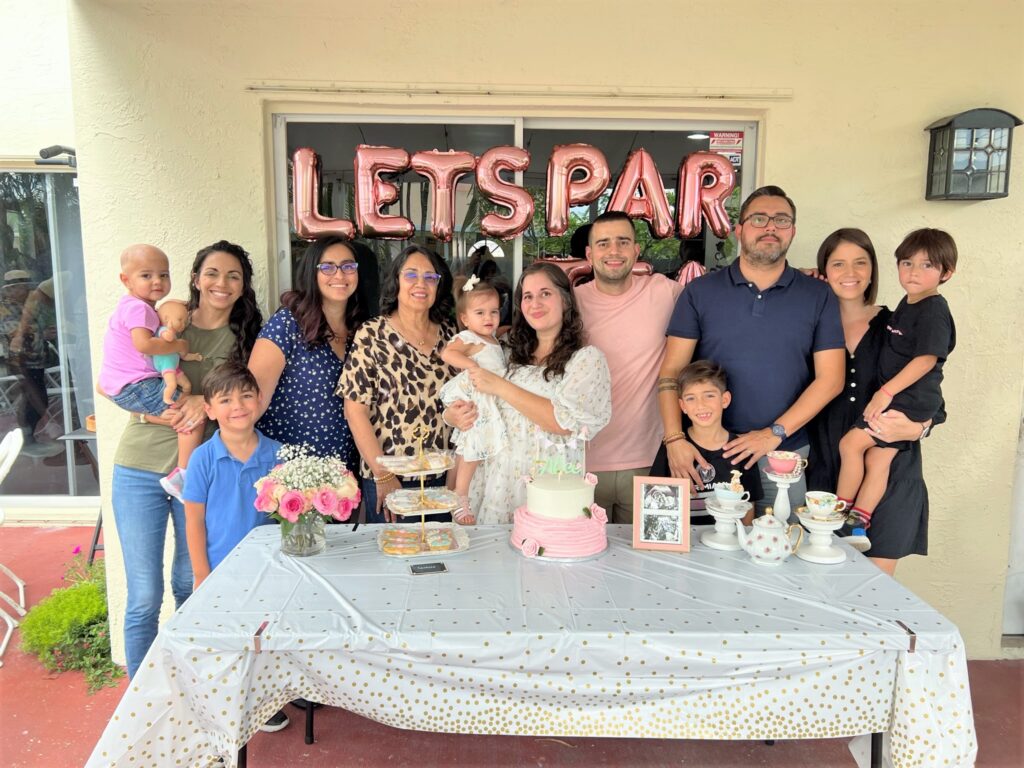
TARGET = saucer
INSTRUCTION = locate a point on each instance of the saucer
(715, 507)
(789, 477)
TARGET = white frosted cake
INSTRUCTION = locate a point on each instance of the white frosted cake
(560, 519)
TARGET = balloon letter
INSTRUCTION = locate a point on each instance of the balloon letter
(563, 191)
(309, 224)
(372, 192)
(444, 170)
(694, 196)
(516, 199)
(640, 173)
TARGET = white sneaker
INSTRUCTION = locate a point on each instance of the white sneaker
(275, 723)
(174, 484)
(858, 540)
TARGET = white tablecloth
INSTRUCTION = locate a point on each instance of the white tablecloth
(704, 645)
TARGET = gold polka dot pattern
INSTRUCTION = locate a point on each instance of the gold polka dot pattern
(704, 645)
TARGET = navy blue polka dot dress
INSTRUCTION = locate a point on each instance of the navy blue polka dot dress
(304, 408)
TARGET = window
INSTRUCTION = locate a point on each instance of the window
(46, 383)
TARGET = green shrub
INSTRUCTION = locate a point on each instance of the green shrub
(68, 629)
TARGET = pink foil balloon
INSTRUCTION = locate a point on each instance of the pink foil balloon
(515, 198)
(444, 170)
(309, 224)
(372, 192)
(694, 197)
(640, 172)
(564, 191)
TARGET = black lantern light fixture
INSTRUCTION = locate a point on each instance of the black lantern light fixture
(969, 155)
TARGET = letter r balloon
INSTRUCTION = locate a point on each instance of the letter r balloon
(694, 197)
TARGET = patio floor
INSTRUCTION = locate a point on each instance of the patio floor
(48, 721)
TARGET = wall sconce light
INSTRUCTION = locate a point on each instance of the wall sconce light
(969, 155)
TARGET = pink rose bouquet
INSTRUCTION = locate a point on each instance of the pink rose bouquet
(303, 484)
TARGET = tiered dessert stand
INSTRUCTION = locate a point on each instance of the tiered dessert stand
(418, 466)
(724, 537)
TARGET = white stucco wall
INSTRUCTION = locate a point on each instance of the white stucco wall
(35, 78)
(171, 105)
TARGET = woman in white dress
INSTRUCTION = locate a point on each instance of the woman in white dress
(557, 390)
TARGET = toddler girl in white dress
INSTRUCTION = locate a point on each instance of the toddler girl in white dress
(479, 310)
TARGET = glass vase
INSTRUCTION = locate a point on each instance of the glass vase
(305, 537)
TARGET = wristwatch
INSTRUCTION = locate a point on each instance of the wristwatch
(779, 431)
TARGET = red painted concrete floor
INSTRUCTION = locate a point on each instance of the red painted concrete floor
(48, 721)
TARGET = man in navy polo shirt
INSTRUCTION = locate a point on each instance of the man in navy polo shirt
(774, 330)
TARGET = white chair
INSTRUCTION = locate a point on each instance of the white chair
(9, 450)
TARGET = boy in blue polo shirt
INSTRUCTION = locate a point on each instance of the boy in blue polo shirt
(222, 471)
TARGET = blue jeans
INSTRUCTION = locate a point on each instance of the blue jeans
(146, 396)
(369, 490)
(141, 511)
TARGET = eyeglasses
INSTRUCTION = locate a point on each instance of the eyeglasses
(760, 220)
(412, 276)
(328, 268)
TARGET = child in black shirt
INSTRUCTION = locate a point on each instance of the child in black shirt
(703, 396)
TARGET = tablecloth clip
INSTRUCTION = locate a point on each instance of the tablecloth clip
(910, 632)
(256, 636)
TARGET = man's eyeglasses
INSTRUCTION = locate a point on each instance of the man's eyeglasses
(760, 220)
(412, 276)
(328, 268)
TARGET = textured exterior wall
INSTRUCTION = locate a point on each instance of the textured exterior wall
(174, 149)
(35, 79)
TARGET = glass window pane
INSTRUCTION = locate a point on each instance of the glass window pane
(962, 138)
(997, 161)
(336, 143)
(979, 183)
(961, 159)
(958, 184)
(43, 328)
(997, 182)
(1000, 137)
(981, 137)
(979, 160)
(938, 184)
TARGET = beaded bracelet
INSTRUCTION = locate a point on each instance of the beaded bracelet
(673, 438)
(386, 478)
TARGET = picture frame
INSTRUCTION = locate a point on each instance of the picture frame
(661, 513)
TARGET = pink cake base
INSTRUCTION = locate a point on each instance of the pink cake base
(579, 537)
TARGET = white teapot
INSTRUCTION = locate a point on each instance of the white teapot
(769, 541)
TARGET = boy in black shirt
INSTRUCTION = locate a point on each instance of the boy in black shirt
(920, 336)
(703, 396)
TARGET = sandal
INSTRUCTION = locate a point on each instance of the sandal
(464, 514)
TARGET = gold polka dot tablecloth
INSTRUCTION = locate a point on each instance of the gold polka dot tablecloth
(702, 645)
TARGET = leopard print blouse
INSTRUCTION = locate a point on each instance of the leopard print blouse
(399, 385)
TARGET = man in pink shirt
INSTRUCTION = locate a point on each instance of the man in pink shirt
(625, 316)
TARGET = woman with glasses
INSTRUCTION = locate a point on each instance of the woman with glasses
(557, 391)
(394, 372)
(301, 350)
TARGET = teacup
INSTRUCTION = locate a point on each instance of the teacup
(727, 497)
(785, 462)
(823, 505)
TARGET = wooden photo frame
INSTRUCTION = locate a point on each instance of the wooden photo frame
(661, 513)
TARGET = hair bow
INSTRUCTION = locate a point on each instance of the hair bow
(470, 284)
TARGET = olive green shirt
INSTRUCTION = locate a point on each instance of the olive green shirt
(154, 447)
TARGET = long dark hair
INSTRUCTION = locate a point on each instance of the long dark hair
(245, 319)
(306, 303)
(856, 237)
(522, 339)
(443, 301)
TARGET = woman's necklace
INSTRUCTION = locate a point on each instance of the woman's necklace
(418, 342)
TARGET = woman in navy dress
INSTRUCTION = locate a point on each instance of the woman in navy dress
(899, 527)
(301, 351)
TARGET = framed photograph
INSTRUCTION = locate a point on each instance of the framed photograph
(661, 513)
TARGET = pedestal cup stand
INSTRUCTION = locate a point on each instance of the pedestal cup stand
(820, 547)
(724, 536)
(782, 507)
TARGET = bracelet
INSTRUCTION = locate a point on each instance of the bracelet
(886, 392)
(673, 438)
(924, 432)
(385, 478)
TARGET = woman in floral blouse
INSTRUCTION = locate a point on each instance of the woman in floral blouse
(394, 372)
(557, 389)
